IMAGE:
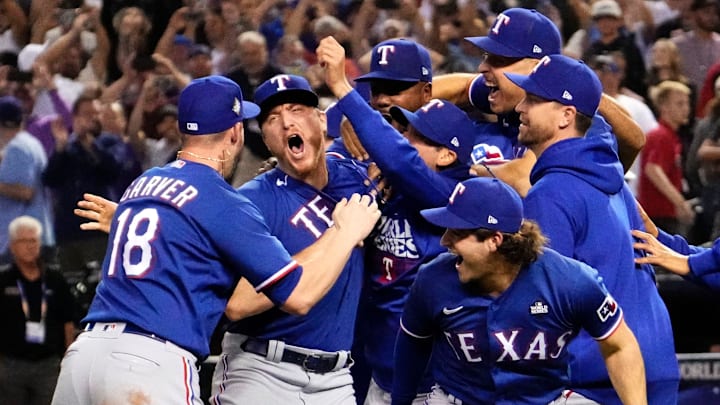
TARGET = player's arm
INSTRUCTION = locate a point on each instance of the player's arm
(659, 254)
(515, 173)
(625, 365)
(325, 259)
(319, 262)
(630, 136)
(245, 302)
(454, 87)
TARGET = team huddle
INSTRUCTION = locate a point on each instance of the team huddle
(409, 255)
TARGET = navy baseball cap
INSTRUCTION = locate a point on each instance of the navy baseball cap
(520, 33)
(212, 104)
(565, 80)
(480, 202)
(281, 89)
(441, 122)
(402, 60)
(10, 112)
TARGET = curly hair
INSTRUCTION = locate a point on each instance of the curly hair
(522, 247)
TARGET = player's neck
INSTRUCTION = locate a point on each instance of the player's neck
(499, 279)
(203, 157)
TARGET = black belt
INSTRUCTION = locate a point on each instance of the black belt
(316, 363)
(129, 328)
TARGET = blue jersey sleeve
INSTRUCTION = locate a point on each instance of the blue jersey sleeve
(399, 161)
(267, 272)
(598, 312)
(478, 94)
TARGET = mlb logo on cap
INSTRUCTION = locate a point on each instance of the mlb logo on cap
(441, 122)
(281, 89)
(212, 104)
(520, 33)
(565, 80)
(399, 59)
(480, 202)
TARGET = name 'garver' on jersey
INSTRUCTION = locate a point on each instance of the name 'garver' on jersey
(169, 189)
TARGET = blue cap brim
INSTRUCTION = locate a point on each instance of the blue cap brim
(494, 47)
(383, 75)
(249, 110)
(444, 218)
(528, 84)
(418, 123)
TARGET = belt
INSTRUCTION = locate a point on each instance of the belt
(129, 328)
(320, 363)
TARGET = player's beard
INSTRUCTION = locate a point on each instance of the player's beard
(233, 163)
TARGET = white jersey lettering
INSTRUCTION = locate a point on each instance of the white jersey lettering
(507, 344)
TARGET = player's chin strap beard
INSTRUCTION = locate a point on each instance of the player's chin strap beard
(196, 156)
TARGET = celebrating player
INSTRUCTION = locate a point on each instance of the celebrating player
(498, 311)
(581, 202)
(304, 359)
(516, 41)
(181, 237)
(423, 165)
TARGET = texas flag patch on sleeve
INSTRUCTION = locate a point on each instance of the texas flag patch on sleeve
(607, 309)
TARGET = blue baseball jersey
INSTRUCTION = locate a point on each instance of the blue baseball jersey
(403, 240)
(180, 239)
(512, 349)
(298, 214)
(586, 210)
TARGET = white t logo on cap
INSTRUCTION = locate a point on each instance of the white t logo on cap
(542, 62)
(434, 103)
(459, 189)
(383, 50)
(280, 80)
(501, 19)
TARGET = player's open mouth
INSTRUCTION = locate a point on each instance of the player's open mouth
(296, 144)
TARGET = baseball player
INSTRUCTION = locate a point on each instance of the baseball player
(181, 238)
(423, 165)
(498, 311)
(517, 40)
(302, 359)
(581, 201)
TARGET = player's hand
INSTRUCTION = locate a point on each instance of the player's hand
(356, 216)
(98, 210)
(382, 187)
(352, 142)
(659, 254)
(331, 57)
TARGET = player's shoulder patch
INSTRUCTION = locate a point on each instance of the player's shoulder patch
(607, 309)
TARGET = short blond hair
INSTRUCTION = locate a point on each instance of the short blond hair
(661, 92)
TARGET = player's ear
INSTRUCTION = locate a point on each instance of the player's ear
(427, 93)
(568, 116)
(446, 157)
